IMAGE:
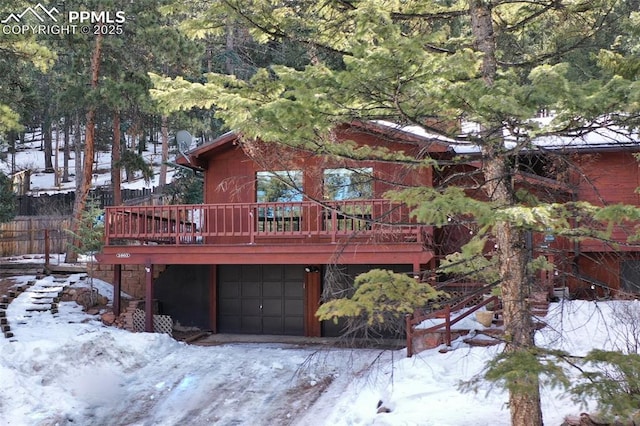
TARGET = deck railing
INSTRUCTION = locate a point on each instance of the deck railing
(248, 222)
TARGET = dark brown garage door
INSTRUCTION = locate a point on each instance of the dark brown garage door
(261, 299)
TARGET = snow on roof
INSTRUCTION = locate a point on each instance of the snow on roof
(415, 130)
(603, 137)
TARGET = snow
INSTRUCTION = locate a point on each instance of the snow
(69, 368)
(604, 135)
(29, 156)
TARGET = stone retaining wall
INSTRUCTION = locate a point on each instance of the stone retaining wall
(132, 277)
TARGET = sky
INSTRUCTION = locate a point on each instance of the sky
(68, 368)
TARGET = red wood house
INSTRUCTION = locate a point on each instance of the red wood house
(252, 257)
(276, 221)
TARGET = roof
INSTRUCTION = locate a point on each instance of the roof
(228, 139)
(601, 138)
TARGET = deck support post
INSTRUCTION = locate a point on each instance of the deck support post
(148, 302)
(117, 288)
(417, 274)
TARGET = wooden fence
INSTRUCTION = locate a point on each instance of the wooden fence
(27, 235)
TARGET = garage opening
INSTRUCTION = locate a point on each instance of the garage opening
(261, 299)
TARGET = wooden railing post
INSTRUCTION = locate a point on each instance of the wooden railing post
(447, 321)
(407, 321)
(334, 224)
(252, 227)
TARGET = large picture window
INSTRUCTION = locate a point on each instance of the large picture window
(348, 184)
(279, 186)
(280, 191)
(350, 188)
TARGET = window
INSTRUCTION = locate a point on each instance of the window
(348, 184)
(280, 186)
(351, 187)
(283, 190)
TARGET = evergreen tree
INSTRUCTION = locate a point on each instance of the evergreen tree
(433, 64)
(7, 199)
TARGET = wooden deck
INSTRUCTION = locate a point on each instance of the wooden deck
(362, 231)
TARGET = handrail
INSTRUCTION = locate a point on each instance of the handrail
(198, 223)
(411, 322)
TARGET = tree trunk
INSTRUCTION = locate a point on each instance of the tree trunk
(230, 47)
(77, 149)
(56, 156)
(512, 250)
(116, 155)
(66, 150)
(48, 144)
(165, 153)
(87, 169)
(12, 149)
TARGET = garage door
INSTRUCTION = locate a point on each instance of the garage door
(261, 299)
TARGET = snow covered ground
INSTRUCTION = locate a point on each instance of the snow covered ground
(29, 156)
(67, 368)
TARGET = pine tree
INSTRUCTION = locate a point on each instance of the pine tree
(88, 236)
(7, 199)
(433, 64)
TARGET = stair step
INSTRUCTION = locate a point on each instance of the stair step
(37, 309)
(8, 335)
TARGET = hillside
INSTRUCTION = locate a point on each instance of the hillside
(30, 156)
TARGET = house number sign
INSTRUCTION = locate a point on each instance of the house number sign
(123, 255)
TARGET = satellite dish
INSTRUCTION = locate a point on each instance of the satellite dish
(184, 140)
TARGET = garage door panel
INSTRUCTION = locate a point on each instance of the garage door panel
(228, 274)
(272, 307)
(272, 325)
(231, 324)
(229, 306)
(250, 307)
(294, 290)
(293, 326)
(295, 273)
(249, 272)
(293, 307)
(272, 273)
(258, 299)
(229, 291)
(251, 324)
(251, 289)
(271, 289)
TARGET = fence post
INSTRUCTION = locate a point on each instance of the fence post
(31, 238)
(47, 249)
